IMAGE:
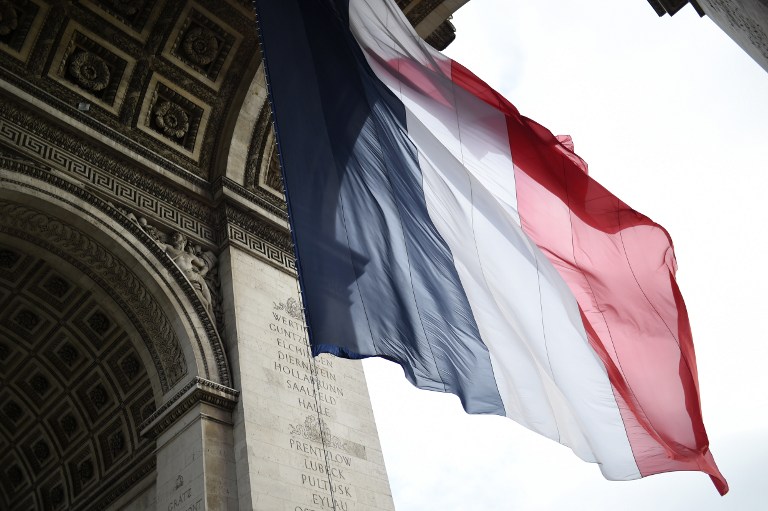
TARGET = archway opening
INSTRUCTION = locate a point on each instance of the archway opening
(74, 388)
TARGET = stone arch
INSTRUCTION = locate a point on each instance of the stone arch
(104, 344)
(252, 160)
(96, 237)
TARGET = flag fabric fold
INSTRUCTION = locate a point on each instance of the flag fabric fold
(439, 228)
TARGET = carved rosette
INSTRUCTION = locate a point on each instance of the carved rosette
(172, 120)
(200, 46)
(129, 7)
(89, 71)
(9, 20)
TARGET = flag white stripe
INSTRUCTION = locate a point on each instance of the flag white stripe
(548, 376)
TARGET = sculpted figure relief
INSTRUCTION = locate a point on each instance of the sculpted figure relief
(194, 265)
(199, 266)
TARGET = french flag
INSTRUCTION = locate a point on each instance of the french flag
(437, 227)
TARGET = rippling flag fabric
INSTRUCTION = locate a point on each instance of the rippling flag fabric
(437, 227)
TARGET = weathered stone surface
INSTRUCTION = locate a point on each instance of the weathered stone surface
(745, 21)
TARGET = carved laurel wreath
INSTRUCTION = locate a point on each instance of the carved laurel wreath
(317, 431)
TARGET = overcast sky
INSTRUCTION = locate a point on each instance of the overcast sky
(672, 117)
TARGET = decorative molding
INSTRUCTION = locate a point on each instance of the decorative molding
(275, 236)
(91, 67)
(128, 226)
(257, 236)
(28, 135)
(127, 289)
(174, 117)
(203, 45)
(279, 258)
(58, 148)
(30, 138)
(198, 390)
(263, 199)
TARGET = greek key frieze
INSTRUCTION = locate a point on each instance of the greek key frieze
(152, 199)
(147, 197)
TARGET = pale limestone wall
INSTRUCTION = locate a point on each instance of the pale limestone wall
(746, 21)
(195, 463)
(282, 464)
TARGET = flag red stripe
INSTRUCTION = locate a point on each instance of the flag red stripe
(620, 266)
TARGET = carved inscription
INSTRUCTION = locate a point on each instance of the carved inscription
(327, 458)
(184, 501)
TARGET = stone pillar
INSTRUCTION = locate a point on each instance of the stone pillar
(305, 436)
(745, 21)
(195, 457)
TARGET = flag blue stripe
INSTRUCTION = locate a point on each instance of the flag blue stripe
(377, 278)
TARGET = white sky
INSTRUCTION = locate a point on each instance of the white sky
(672, 117)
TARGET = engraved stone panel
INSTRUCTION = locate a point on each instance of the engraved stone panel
(307, 421)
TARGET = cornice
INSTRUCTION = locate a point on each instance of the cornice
(198, 390)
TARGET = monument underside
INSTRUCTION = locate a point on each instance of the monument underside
(152, 349)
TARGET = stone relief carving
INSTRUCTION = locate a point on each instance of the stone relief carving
(172, 119)
(89, 71)
(174, 116)
(99, 263)
(290, 307)
(195, 267)
(199, 266)
(201, 46)
(316, 429)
